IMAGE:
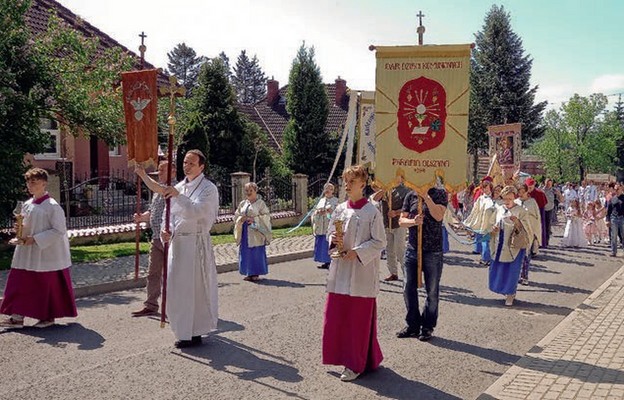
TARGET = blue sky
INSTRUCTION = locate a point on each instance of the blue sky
(577, 46)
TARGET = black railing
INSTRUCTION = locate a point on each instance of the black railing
(277, 192)
(225, 199)
(102, 201)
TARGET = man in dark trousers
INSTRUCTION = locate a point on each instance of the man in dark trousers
(433, 209)
(615, 218)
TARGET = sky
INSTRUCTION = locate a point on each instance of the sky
(577, 46)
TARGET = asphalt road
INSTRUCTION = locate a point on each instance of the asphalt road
(269, 339)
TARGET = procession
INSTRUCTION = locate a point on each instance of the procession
(426, 260)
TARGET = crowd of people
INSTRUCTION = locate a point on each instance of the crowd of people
(508, 226)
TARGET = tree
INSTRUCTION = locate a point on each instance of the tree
(500, 83)
(249, 79)
(226, 62)
(185, 65)
(308, 148)
(77, 90)
(580, 137)
(231, 142)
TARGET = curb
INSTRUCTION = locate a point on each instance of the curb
(502, 382)
(127, 284)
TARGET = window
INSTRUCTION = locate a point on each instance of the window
(114, 150)
(53, 149)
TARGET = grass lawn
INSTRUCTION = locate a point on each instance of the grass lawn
(92, 253)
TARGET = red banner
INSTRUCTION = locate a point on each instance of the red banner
(140, 97)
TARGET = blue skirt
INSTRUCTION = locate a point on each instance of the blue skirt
(321, 249)
(503, 276)
(251, 260)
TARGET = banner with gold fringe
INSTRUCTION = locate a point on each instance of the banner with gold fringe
(140, 99)
(421, 115)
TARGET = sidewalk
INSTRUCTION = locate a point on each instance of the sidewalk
(582, 358)
(118, 273)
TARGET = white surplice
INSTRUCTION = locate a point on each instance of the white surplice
(482, 218)
(45, 222)
(320, 221)
(192, 301)
(534, 227)
(363, 232)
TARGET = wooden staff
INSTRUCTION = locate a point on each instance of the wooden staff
(420, 248)
(137, 228)
(172, 91)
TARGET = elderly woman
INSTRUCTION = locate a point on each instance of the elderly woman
(252, 231)
(320, 222)
(510, 241)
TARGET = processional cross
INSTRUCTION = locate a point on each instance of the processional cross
(421, 28)
(142, 48)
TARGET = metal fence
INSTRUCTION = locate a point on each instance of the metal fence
(225, 199)
(277, 192)
(103, 201)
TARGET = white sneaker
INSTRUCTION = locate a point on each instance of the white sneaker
(510, 299)
(44, 324)
(348, 375)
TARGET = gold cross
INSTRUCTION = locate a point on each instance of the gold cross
(173, 90)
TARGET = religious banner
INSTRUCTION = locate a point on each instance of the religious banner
(366, 141)
(506, 145)
(421, 115)
(140, 99)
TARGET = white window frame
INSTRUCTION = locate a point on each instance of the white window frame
(56, 133)
(114, 151)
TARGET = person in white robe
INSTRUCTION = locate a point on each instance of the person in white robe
(252, 231)
(509, 242)
(350, 327)
(39, 284)
(481, 221)
(192, 299)
(320, 223)
(533, 229)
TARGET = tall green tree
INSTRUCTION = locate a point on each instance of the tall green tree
(308, 147)
(60, 75)
(226, 62)
(249, 80)
(184, 64)
(580, 137)
(230, 142)
(500, 83)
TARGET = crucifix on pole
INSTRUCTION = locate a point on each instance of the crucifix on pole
(142, 49)
(421, 29)
(172, 91)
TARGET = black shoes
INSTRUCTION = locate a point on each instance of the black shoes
(182, 344)
(423, 336)
(323, 266)
(407, 332)
(426, 335)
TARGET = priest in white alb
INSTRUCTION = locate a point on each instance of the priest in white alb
(192, 305)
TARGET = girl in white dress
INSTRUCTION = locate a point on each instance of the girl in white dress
(573, 236)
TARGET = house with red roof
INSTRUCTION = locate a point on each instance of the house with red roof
(84, 156)
(270, 113)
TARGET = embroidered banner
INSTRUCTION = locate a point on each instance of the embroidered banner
(421, 115)
(366, 141)
(140, 97)
(506, 145)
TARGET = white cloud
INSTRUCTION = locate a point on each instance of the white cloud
(608, 84)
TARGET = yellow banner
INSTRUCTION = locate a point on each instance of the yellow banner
(421, 115)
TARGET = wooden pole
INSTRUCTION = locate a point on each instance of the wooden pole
(137, 228)
(420, 248)
(172, 91)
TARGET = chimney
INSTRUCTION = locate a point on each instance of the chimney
(341, 91)
(272, 92)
